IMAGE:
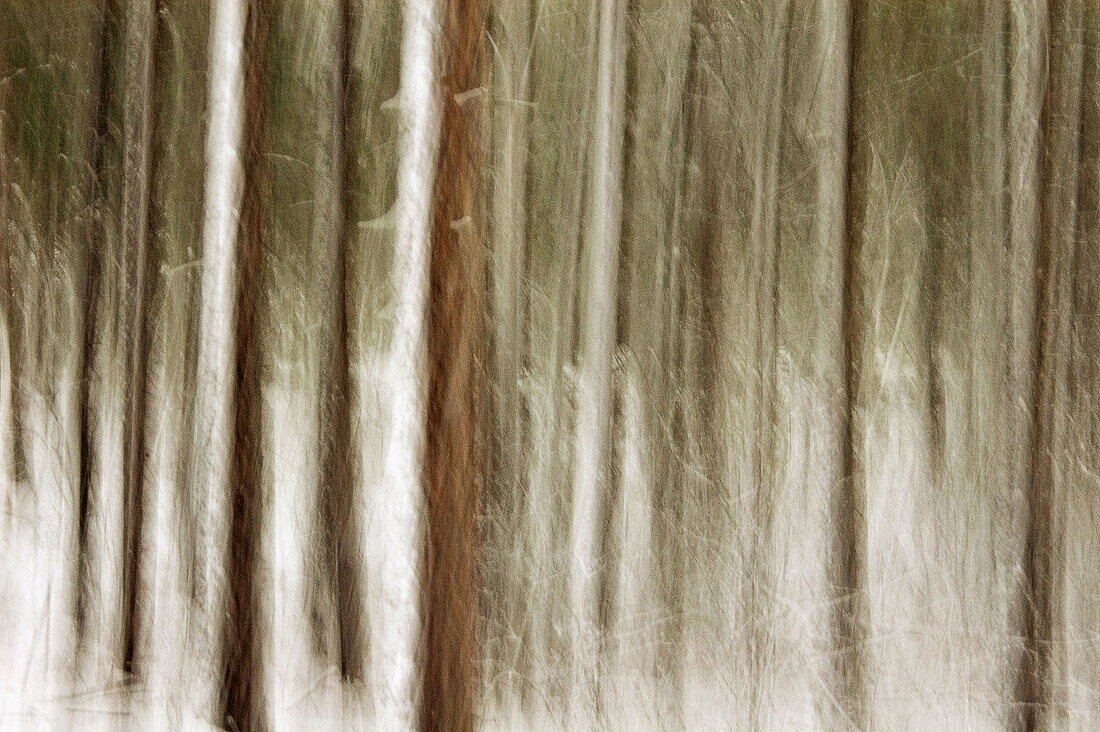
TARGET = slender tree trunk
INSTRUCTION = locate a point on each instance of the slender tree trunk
(594, 395)
(454, 463)
(848, 519)
(1041, 685)
(671, 498)
(96, 246)
(243, 664)
(511, 29)
(765, 235)
(1026, 56)
(141, 39)
(13, 446)
(396, 624)
(335, 423)
(216, 414)
(645, 668)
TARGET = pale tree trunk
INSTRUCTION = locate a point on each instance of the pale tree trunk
(594, 382)
(509, 93)
(211, 449)
(395, 534)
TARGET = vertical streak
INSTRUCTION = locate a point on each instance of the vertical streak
(211, 449)
(1014, 101)
(335, 423)
(629, 112)
(397, 624)
(848, 520)
(91, 274)
(509, 150)
(644, 672)
(1041, 688)
(598, 345)
(168, 535)
(96, 243)
(511, 31)
(670, 498)
(456, 353)
(1027, 24)
(142, 34)
(629, 519)
(766, 234)
(242, 664)
(1081, 441)
(13, 329)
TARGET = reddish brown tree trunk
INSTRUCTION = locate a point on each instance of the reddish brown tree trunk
(456, 379)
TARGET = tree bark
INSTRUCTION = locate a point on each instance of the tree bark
(457, 329)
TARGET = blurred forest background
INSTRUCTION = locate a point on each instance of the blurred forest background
(704, 364)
